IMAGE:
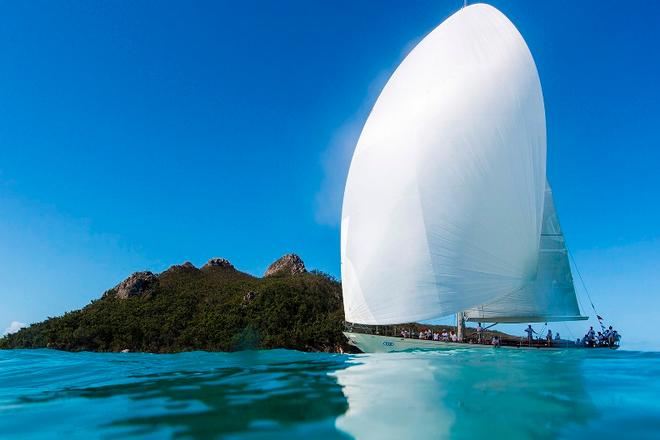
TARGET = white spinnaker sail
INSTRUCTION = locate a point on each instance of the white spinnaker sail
(552, 296)
(443, 203)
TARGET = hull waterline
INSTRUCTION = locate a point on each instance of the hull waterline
(368, 343)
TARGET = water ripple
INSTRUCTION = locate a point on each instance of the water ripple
(285, 394)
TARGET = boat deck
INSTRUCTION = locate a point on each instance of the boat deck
(371, 343)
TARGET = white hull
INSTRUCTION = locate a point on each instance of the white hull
(386, 344)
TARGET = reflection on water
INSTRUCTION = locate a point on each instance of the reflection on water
(465, 394)
(285, 394)
(392, 395)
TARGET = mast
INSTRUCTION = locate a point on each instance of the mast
(460, 326)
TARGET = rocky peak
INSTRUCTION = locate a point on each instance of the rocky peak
(290, 264)
(219, 262)
(135, 285)
(185, 266)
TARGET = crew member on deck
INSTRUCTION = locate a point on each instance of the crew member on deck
(548, 338)
(591, 336)
(608, 336)
(530, 331)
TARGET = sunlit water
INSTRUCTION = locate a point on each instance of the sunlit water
(287, 394)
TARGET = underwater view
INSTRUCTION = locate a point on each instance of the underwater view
(285, 394)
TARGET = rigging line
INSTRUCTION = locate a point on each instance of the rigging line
(539, 335)
(584, 286)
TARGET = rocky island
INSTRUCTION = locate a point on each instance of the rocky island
(215, 307)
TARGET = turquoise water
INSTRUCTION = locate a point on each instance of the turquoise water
(287, 394)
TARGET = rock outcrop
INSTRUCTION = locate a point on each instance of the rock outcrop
(185, 266)
(136, 285)
(218, 262)
(290, 264)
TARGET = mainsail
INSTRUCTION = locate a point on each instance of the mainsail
(443, 204)
(552, 296)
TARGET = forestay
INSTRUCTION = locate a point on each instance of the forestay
(552, 296)
(444, 198)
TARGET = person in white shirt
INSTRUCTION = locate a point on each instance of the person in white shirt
(608, 336)
(453, 336)
(591, 334)
(445, 335)
(591, 337)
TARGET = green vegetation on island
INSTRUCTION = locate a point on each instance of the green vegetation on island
(215, 308)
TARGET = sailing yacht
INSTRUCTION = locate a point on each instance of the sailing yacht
(447, 210)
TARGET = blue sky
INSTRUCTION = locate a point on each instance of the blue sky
(136, 135)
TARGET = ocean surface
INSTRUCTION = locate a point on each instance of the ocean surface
(590, 394)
